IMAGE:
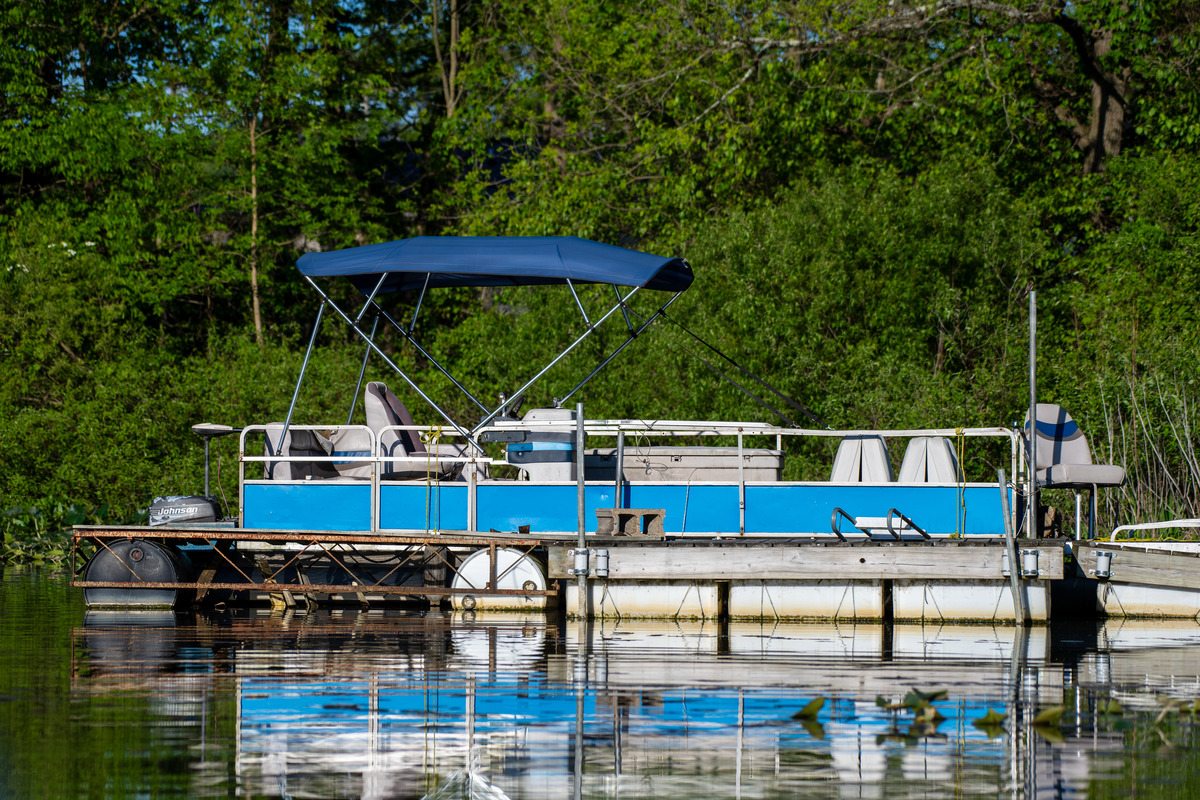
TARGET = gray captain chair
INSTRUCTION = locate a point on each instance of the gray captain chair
(324, 445)
(1064, 461)
(384, 409)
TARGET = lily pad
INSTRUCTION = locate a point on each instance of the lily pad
(1048, 717)
(811, 710)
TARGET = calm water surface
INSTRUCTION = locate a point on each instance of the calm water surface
(387, 704)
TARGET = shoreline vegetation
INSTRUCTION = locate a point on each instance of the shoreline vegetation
(866, 195)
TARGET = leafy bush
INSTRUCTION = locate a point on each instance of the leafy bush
(42, 533)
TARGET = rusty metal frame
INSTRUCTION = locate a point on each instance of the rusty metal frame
(420, 551)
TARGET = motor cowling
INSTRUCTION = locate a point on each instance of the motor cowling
(175, 509)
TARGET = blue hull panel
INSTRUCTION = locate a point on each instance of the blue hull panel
(312, 506)
(776, 508)
(543, 507)
(789, 508)
(419, 507)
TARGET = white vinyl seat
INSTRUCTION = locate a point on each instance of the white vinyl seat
(930, 459)
(862, 458)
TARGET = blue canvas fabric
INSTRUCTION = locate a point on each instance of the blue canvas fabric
(496, 261)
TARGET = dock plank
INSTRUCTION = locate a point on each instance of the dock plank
(800, 562)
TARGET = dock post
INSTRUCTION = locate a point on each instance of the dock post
(1014, 566)
(617, 498)
(581, 486)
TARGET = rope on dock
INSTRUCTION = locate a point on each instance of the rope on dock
(431, 439)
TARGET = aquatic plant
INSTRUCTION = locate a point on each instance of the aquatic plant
(41, 533)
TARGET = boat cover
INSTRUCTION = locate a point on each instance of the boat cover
(496, 261)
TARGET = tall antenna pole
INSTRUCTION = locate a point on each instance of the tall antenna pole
(1031, 524)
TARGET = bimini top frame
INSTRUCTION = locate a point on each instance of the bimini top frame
(427, 262)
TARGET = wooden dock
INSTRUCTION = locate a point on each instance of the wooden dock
(641, 577)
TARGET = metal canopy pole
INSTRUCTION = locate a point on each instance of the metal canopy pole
(374, 347)
(371, 297)
(1031, 525)
(579, 302)
(361, 372)
(625, 311)
(492, 415)
(428, 356)
(303, 367)
(622, 346)
(413, 325)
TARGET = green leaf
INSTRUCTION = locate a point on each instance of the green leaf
(810, 710)
(992, 717)
(1049, 716)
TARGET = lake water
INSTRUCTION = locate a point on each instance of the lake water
(388, 704)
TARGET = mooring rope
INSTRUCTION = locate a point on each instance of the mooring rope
(798, 407)
(961, 479)
(721, 373)
(431, 438)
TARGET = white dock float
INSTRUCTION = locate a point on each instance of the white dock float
(826, 599)
(990, 601)
(1143, 579)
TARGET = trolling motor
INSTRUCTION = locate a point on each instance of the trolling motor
(190, 507)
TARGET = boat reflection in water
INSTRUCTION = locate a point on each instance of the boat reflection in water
(387, 704)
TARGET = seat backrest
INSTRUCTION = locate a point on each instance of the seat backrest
(862, 459)
(382, 409)
(1059, 439)
(296, 443)
(930, 459)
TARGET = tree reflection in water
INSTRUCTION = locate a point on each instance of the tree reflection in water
(393, 704)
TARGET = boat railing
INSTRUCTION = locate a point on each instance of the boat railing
(374, 453)
(741, 432)
(450, 473)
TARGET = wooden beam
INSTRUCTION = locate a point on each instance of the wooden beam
(790, 563)
(1137, 565)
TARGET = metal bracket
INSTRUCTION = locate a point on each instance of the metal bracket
(581, 558)
(1030, 564)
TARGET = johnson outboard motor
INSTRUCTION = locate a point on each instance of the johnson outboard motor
(178, 508)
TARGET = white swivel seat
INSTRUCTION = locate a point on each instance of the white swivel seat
(1064, 461)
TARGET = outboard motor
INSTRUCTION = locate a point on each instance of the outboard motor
(184, 508)
(193, 508)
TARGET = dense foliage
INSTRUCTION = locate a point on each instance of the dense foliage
(866, 191)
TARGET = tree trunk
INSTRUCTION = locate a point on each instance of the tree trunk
(449, 75)
(1107, 123)
(258, 328)
(1101, 137)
